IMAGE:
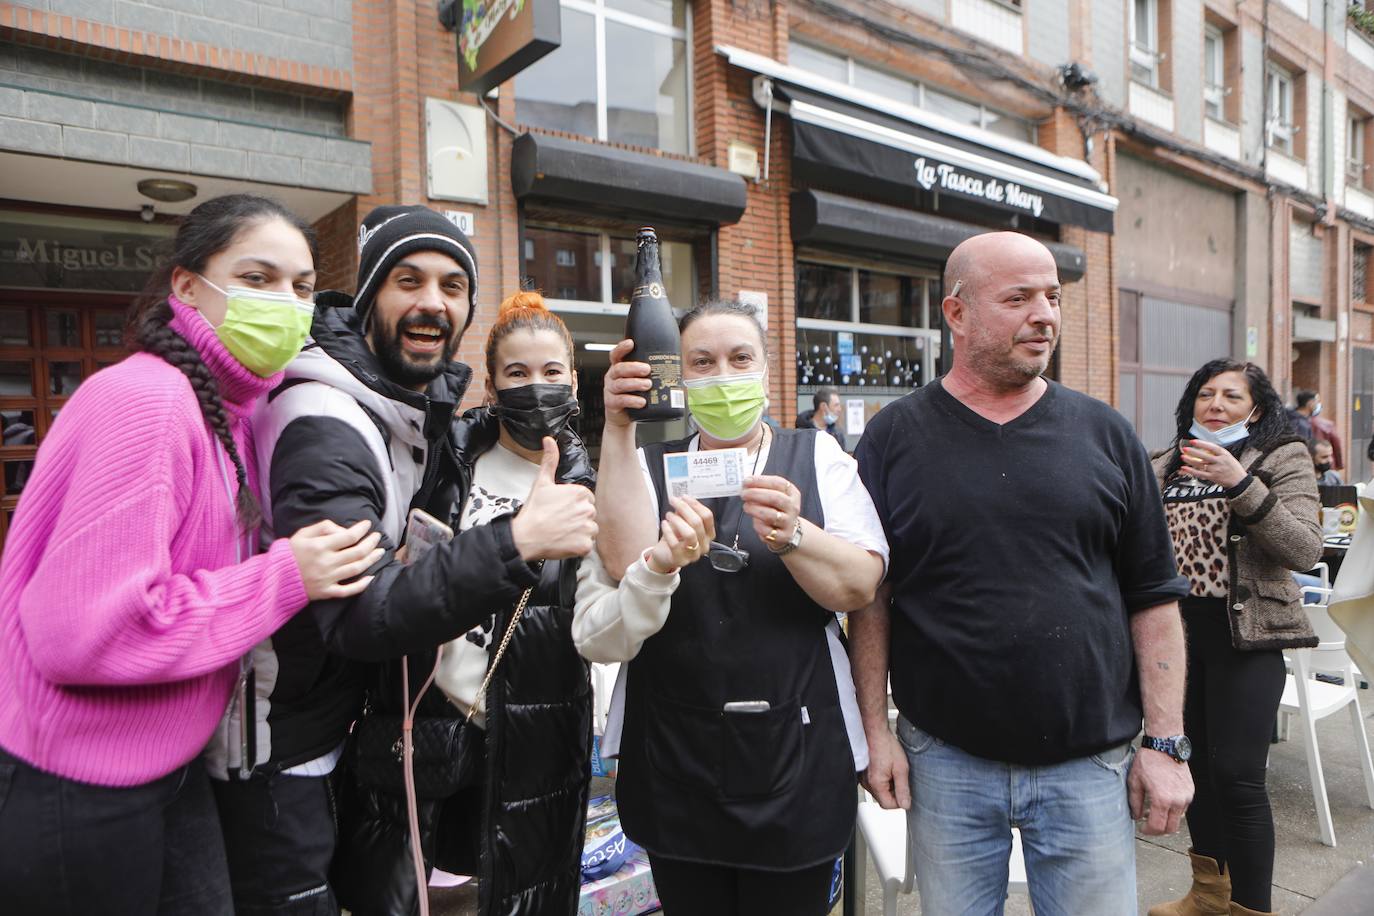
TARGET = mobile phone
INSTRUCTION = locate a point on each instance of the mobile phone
(424, 532)
(747, 706)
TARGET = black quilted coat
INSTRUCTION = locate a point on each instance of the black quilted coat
(520, 829)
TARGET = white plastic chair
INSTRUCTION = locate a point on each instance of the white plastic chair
(1312, 700)
(883, 837)
(603, 685)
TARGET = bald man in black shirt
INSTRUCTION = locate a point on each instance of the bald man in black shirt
(1030, 613)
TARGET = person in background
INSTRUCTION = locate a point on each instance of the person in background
(1045, 591)
(1308, 405)
(1241, 500)
(1324, 430)
(130, 588)
(1322, 463)
(824, 413)
(734, 719)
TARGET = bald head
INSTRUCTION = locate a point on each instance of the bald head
(1005, 315)
(973, 259)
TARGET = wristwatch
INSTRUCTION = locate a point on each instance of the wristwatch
(1176, 746)
(792, 543)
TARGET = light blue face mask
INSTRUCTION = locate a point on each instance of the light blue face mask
(1227, 435)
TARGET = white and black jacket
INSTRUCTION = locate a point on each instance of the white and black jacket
(338, 440)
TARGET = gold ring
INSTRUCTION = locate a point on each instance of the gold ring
(771, 536)
(692, 547)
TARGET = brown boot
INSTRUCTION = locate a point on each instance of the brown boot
(1209, 896)
(1238, 910)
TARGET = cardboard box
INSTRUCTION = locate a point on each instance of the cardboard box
(628, 892)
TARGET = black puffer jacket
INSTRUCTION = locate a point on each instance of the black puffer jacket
(521, 830)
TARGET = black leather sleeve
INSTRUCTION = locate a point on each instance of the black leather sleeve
(322, 468)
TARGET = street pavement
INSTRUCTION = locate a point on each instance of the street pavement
(1303, 868)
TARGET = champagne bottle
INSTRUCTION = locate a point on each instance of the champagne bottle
(653, 328)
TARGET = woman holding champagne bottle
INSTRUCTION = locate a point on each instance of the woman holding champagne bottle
(735, 718)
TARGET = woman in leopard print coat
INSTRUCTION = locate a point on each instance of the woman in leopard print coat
(1240, 496)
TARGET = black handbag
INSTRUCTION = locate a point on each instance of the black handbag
(446, 752)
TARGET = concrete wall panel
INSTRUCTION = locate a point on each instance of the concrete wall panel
(315, 32)
(1172, 231)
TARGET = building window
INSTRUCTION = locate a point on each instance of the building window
(1279, 126)
(587, 271)
(859, 327)
(1214, 89)
(899, 88)
(1357, 149)
(1145, 50)
(622, 74)
(1361, 262)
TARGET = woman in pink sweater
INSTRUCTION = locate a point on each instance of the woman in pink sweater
(129, 589)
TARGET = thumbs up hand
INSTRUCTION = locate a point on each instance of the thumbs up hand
(558, 520)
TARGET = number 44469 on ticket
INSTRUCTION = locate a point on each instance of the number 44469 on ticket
(705, 474)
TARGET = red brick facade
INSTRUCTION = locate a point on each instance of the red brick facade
(403, 56)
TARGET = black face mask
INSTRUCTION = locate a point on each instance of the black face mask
(531, 412)
(1323, 468)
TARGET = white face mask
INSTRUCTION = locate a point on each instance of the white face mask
(1227, 435)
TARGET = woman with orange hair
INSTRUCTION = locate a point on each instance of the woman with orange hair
(517, 823)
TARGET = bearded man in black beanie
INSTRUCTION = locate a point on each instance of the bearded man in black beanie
(361, 431)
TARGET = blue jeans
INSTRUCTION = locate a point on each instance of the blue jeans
(1075, 823)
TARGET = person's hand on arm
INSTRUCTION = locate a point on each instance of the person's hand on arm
(836, 574)
(329, 555)
(627, 518)
(869, 632)
(1160, 788)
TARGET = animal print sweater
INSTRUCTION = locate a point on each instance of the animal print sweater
(1198, 514)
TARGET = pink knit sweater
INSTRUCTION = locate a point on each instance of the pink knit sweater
(123, 611)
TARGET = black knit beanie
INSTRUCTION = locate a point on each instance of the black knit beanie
(390, 233)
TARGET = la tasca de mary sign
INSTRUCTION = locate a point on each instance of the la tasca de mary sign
(949, 178)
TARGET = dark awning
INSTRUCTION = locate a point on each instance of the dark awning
(852, 139)
(834, 221)
(625, 184)
(864, 151)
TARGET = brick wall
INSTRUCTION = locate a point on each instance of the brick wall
(337, 235)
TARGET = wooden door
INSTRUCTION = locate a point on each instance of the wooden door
(49, 343)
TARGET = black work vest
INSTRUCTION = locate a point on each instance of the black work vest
(771, 790)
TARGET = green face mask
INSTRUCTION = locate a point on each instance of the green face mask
(726, 407)
(263, 329)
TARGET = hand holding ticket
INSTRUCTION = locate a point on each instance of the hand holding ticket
(705, 474)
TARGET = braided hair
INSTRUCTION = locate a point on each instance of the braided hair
(203, 233)
(1268, 429)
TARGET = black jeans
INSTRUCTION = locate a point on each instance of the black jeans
(280, 834)
(692, 889)
(1228, 713)
(69, 848)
